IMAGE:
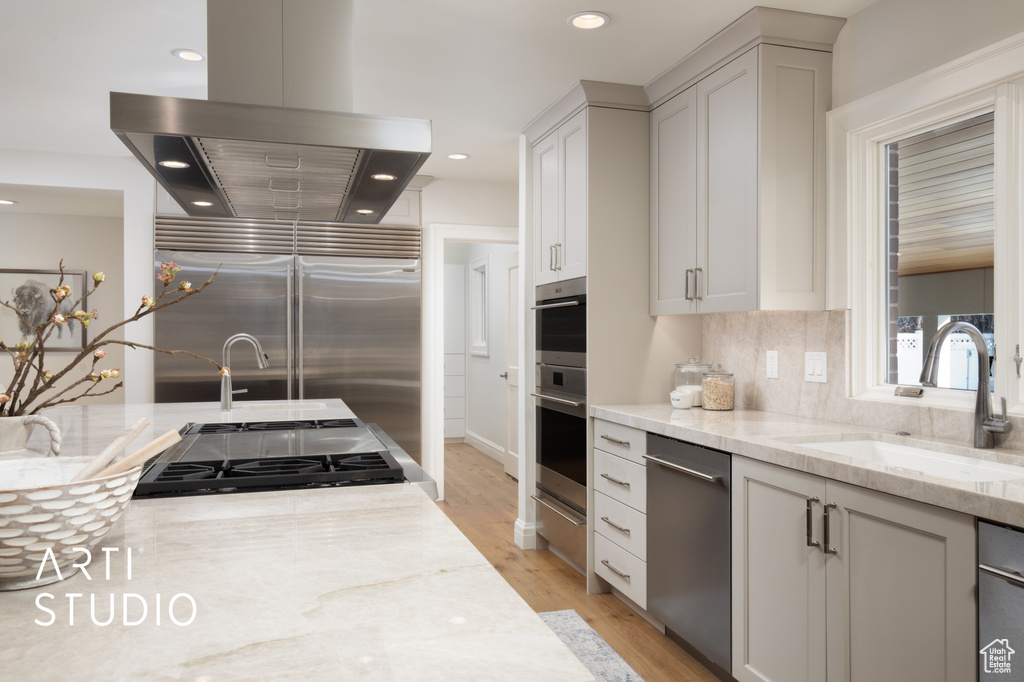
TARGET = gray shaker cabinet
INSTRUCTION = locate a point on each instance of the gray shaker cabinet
(888, 593)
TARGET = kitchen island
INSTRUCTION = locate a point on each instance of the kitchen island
(359, 583)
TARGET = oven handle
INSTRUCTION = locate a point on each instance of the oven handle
(573, 403)
(1009, 576)
(563, 304)
(560, 513)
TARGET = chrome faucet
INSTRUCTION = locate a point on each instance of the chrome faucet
(225, 381)
(985, 425)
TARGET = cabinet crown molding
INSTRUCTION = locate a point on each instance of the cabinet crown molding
(586, 94)
(761, 25)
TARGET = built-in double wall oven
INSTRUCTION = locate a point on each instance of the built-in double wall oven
(561, 416)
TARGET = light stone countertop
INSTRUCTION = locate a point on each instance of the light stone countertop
(360, 583)
(774, 438)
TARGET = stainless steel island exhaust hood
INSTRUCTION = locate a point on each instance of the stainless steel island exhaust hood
(223, 159)
(273, 141)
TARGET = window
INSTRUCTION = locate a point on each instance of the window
(939, 262)
(877, 213)
(477, 302)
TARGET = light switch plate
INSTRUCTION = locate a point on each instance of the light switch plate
(771, 364)
(816, 367)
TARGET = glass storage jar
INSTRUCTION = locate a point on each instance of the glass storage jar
(719, 389)
(691, 372)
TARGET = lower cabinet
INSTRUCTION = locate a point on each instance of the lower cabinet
(839, 583)
(620, 509)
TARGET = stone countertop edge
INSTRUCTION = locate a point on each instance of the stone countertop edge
(364, 582)
(762, 436)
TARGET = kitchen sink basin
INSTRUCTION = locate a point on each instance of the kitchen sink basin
(282, 405)
(915, 460)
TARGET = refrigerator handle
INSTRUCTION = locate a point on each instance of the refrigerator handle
(299, 355)
(290, 329)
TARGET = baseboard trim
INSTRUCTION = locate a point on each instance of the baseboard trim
(525, 535)
(489, 448)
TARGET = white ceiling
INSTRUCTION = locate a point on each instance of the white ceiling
(479, 69)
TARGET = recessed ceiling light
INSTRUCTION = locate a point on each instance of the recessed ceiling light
(383, 176)
(458, 157)
(364, 211)
(588, 20)
(172, 164)
(189, 55)
(7, 202)
(202, 203)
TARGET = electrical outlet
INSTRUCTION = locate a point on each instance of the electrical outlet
(816, 367)
(771, 364)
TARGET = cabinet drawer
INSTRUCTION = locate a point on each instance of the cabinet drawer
(624, 441)
(621, 479)
(621, 524)
(624, 571)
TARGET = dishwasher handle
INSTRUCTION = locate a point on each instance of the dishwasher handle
(1011, 577)
(689, 472)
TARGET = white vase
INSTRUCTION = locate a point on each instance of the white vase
(15, 432)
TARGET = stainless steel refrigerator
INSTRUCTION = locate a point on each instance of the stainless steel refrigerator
(332, 327)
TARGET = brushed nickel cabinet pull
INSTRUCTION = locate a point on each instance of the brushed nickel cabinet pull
(624, 576)
(615, 440)
(624, 484)
(829, 549)
(615, 525)
(811, 542)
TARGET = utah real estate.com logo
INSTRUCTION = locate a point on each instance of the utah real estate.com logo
(996, 657)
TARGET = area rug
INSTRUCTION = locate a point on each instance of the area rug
(594, 652)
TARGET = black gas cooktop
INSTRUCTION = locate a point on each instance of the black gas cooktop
(251, 456)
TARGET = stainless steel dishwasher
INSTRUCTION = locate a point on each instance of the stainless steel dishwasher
(1000, 602)
(689, 548)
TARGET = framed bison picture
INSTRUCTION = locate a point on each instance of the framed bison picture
(28, 291)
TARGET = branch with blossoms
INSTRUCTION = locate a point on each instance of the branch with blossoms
(34, 387)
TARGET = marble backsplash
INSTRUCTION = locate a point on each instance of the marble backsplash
(739, 341)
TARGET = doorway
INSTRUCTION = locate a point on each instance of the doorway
(485, 251)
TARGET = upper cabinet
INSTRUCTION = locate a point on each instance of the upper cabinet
(560, 202)
(737, 172)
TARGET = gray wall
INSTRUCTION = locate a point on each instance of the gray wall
(945, 293)
(893, 40)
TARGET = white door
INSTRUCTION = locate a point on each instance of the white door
(512, 390)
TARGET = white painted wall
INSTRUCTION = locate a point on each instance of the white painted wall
(93, 243)
(470, 202)
(454, 347)
(486, 408)
(893, 40)
(125, 174)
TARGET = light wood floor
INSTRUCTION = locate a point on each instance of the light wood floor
(481, 500)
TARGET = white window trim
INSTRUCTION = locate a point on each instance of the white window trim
(989, 79)
(478, 317)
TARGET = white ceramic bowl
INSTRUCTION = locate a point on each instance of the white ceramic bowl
(40, 509)
(681, 400)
